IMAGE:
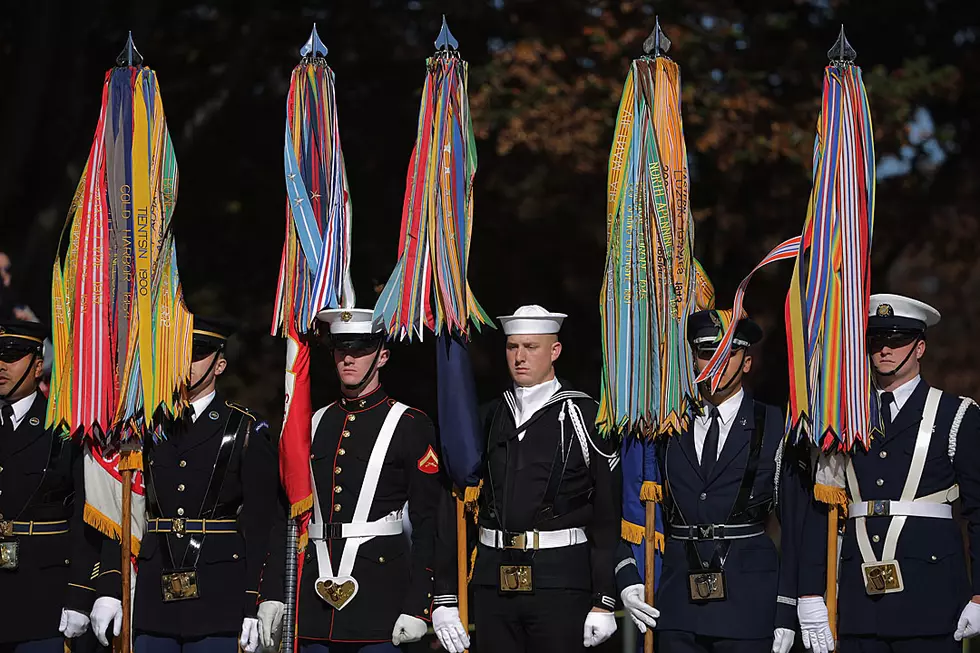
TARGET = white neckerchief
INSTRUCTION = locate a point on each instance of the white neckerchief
(530, 399)
(201, 404)
(726, 416)
(20, 408)
(902, 394)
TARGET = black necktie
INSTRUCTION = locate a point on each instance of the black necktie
(887, 400)
(7, 414)
(709, 453)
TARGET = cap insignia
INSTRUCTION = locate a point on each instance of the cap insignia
(346, 316)
(715, 320)
(885, 310)
(2, 330)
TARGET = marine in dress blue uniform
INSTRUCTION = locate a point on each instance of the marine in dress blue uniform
(903, 580)
(370, 456)
(722, 586)
(212, 490)
(45, 590)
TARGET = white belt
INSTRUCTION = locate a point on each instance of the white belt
(530, 540)
(935, 505)
(390, 524)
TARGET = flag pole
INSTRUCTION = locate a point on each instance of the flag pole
(125, 564)
(462, 591)
(832, 569)
(289, 613)
(650, 565)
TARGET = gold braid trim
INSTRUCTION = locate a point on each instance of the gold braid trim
(108, 527)
(831, 495)
(651, 491)
(635, 534)
(301, 506)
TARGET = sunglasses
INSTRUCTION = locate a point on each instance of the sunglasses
(14, 354)
(892, 340)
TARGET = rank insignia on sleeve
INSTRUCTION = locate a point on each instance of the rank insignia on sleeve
(429, 462)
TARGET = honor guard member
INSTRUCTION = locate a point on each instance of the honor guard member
(212, 490)
(722, 588)
(903, 581)
(366, 585)
(41, 498)
(549, 510)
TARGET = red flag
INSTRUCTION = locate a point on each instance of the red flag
(294, 445)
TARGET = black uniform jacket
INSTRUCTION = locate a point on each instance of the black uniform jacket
(516, 475)
(930, 551)
(761, 593)
(229, 565)
(394, 573)
(41, 481)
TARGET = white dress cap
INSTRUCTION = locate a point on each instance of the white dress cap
(354, 321)
(531, 320)
(885, 306)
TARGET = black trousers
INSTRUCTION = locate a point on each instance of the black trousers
(875, 644)
(547, 620)
(679, 641)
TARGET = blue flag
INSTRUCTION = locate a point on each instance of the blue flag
(641, 483)
(459, 423)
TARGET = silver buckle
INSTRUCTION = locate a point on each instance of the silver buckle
(706, 531)
(879, 508)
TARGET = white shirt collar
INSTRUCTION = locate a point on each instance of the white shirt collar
(902, 393)
(20, 408)
(531, 398)
(201, 404)
(728, 408)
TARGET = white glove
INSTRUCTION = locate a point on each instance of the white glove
(599, 626)
(270, 623)
(249, 639)
(782, 640)
(450, 630)
(106, 610)
(642, 614)
(815, 624)
(407, 629)
(73, 623)
(969, 623)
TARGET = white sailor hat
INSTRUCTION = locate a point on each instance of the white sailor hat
(531, 320)
(356, 322)
(900, 314)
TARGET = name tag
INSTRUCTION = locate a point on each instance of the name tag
(707, 586)
(883, 577)
(9, 554)
(179, 585)
(516, 578)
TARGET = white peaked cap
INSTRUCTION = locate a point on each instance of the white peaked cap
(884, 308)
(350, 321)
(531, 320)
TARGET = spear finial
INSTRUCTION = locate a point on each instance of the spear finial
(657, 43)
(129, 56)
(446, 41)
(842, 53)
(314, 46)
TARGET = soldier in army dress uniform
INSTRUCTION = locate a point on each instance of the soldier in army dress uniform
(903, 584)
(212, 489)
(365, 585)
(44, 589)
(549, 511)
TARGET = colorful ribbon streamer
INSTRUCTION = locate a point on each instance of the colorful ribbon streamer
(652, 281)
(121, 332)
(428, 288)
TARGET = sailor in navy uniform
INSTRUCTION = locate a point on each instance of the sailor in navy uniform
(549, 510)
(903, 580)
(722, 587)
(44, 589)
(366, 586)
(212, 490)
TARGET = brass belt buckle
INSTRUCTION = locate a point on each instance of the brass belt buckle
(6, 528)
(9, 554)
(515, 541)
(707, 586)
(178, 526)
(883, 577)
(516, 578)
(179, 585)
(879, 508)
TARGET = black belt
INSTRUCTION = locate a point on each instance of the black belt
(12, 528)
(181, 527)
(709, 532)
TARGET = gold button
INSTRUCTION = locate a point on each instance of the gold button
(341, 452)
(933, 558)
(875, 539)
(180, 512)
(362, 403)
(180, 488)
(337, 489)
(68, 562)
(880, 482)
(336, 507)
(183, 463)
(234, 556)
(312, 457)
(337, 470)
(883, 454)
(151, 463)
(426, 611)
(346, 434)
(352, 417)
(428, 596)
(381, 559)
